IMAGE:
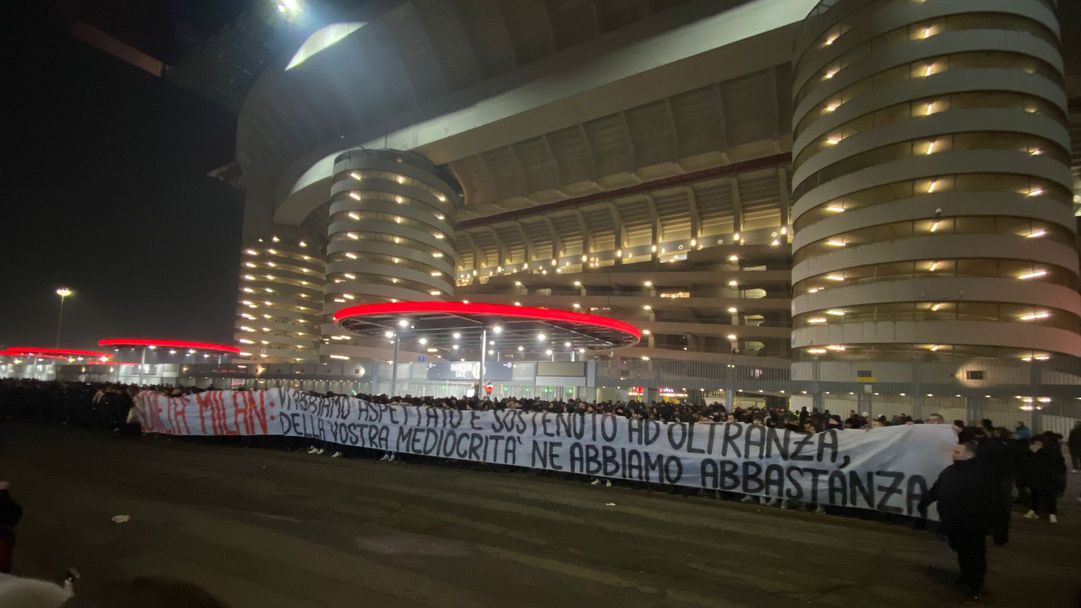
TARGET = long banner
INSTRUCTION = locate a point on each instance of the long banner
(886, 469)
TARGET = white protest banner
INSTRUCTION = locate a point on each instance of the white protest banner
(217, 413)
(886, 469)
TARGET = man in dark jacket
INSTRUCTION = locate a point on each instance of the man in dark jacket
(964, 493)
(1047, 477)
(10, 514)
(995, 454)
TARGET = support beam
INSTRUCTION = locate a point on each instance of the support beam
(630, 143)
(722, 123)
(737, 206)
(617, 227)
(557, 241)
(654, 219)
(530, 188)
(500, 195)
(672, 124)
(587, 234)
(555, 161)
(695, 214)
(500, 245)
(782, 188)
(478, 255)
(592, 154)
(526, 242)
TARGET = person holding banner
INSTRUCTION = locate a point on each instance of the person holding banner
(965, 493)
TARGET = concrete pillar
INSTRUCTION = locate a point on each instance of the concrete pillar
(650, 394)
(973, 411)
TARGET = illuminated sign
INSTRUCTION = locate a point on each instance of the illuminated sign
(470, 370)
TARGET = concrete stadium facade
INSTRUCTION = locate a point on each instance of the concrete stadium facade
(745, 181)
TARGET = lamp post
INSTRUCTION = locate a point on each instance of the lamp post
(403, 324)
(483, 362)
(63, 292)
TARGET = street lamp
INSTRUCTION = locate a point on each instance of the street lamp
(63, 292)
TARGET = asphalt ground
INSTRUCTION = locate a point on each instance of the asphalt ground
(269, 528)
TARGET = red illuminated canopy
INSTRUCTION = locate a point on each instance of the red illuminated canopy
(479, 309)
(442, 325)
(207, 346)
(51, 353)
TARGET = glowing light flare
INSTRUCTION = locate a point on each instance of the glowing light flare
(1035, 274)
(1035, 316)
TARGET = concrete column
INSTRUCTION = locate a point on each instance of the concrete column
(650, 394)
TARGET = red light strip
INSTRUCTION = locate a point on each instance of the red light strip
(8, 353)
(499, 310)
(30, 351)
(119, 342)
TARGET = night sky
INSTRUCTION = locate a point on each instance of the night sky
(106, 192)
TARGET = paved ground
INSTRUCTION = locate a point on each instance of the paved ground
(264, 528)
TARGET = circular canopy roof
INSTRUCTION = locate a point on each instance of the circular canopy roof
(447, 327)
(51, 353)
(154, 343)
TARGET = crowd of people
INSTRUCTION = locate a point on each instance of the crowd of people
(994, 466)
(1016, 453)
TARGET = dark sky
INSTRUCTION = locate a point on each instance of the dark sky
(105, 192)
